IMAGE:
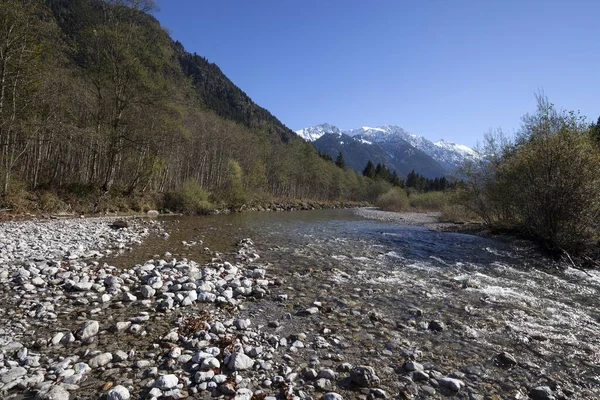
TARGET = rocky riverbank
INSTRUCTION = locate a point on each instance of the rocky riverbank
(74, 327)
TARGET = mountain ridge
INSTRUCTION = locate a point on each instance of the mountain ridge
(448, 155)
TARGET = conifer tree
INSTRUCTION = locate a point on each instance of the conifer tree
(339, 161)
(369, 170)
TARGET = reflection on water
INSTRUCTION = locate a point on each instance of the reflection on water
(335, 230)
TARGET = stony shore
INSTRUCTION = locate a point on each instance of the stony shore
(74, 327)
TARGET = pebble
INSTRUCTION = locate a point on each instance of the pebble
(118, 393)
(88, 330)
(239, 361)
(541, 393)
(364, 376)
(506, 359)
(436, 326)
(413, 366)
(166, 382)
(100, 360)
(12, 375)
(451, 383)
(332, 396)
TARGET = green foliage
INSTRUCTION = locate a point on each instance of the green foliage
(382, 173)
(190, 198)
(232, 192)
(393, 200)
(546, 184)
(429, 201)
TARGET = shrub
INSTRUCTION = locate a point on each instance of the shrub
(554, 188)
(50, 202)
(190, 198)
(393, 200)
(546, 184)
(428, 201)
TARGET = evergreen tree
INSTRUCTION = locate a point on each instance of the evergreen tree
(369, 170)
(325, 156)
(381, 172)
(412, 179)
(339, 161)
(395, 180)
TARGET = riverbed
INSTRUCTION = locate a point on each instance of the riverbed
(434, 314)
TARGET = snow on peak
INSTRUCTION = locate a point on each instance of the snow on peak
(445, 144)
(368, 128)
(313, 133)
(448, 154)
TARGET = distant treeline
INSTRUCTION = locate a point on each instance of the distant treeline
(413, 180)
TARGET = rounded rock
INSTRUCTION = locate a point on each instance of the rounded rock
(166, 382)
(239, 361)
(88, 330)
(118, 393)
(364, 376)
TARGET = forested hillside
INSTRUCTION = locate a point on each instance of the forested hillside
(95, 97)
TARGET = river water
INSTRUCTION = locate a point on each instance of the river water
(380, 284)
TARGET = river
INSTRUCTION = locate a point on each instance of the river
(381, 284)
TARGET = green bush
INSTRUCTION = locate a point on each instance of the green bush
(554, 188)
(190, 198)
(428, 201)
(393, 200)
(546, 184)
(232, 192)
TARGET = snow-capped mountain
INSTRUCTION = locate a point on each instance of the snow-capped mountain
(314, 132)
(450, 155)
(447, 154)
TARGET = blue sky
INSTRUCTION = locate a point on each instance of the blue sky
(447, 69)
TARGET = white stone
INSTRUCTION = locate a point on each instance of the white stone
(118, 393)
(209, 363)
(239, 361)
(451, 383)
(166, 382)
(100, 360)
(88, 330)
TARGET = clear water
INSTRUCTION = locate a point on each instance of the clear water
(493, 295)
